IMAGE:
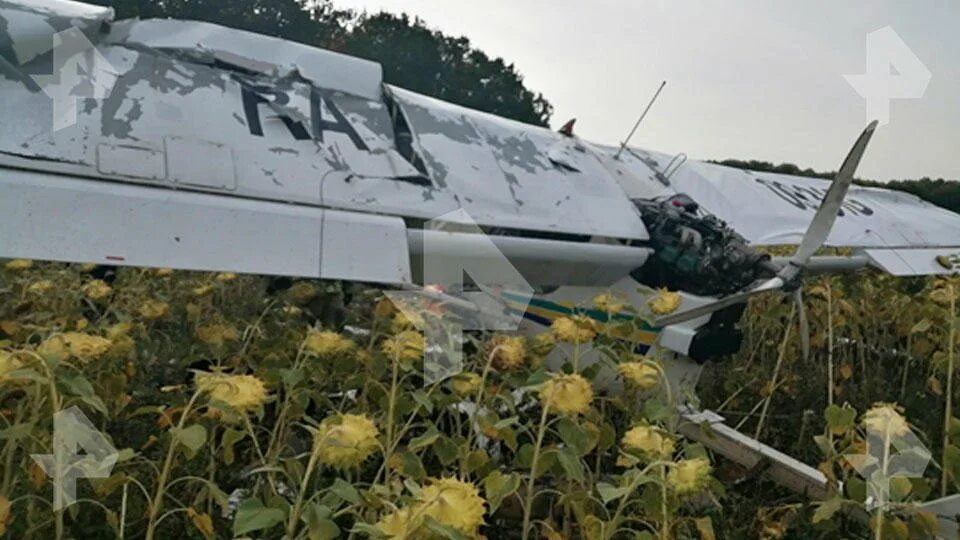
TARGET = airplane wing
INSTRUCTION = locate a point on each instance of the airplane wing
(899, 232)
(192, 145)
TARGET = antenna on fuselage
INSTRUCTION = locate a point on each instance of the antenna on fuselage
(642, 116)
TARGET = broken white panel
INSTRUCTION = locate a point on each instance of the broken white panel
(255, 52)
(500, 171)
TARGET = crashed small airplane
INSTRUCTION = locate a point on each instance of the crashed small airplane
(188, 145)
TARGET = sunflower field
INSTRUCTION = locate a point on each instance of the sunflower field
(248, 407)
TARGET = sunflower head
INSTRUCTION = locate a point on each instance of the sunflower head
(83, 347)
(648, 442)
(327, 344)
(507, 352)
(465, 384)
(202, 290)
(454, 503)
(226, 277)
(97, 290)
(567, 394)
(542, 344)
(665, 302)
(153, 310)
(241, 392)
(609, 303)
(8, 364)
(407, 346)
(689, 475)
(398, 524)
(40, 287)
(576, 329)
(217, 334)
(345, 441)
(408, 320)
(301, 293)
(885, 420)
(19, 265)
(641, 375)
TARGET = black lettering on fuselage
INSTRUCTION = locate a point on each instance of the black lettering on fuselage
(253, 95)
(809, 198)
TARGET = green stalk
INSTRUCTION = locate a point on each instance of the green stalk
(776, 372)
(528, 498)
(157, 504)
(391, 411)
(948, 406)
(304, 484)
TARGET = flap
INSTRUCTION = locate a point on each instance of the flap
(916, 262)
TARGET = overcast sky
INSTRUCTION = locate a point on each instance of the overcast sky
(745, 78)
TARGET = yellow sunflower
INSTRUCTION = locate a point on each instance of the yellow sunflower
(397, 524)
(97, 290)
(567, 394)
(665, 302)
(241, 392)
(326, 343)
(609, 303)
(689, 475)
(648, 441)
(466, 384)
(202, 290)
(407, 346)
(576, 329)
(541, 344)
(8, 364)
(345, 441)
(640, 374)
(884, 419)
(508, 351)
(84, 347)
(301, 292)
(217, 334)
(406, 321)
(40, 287)
(18, 265)
(454, 503)
(153, 310)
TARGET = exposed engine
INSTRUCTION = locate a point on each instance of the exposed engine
(696, 252)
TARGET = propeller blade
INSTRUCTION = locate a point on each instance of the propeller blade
(804, 323)
(826, 215)
(706, 309)
(813, 240)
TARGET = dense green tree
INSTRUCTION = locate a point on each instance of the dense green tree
(412, 55)
(429, 62)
